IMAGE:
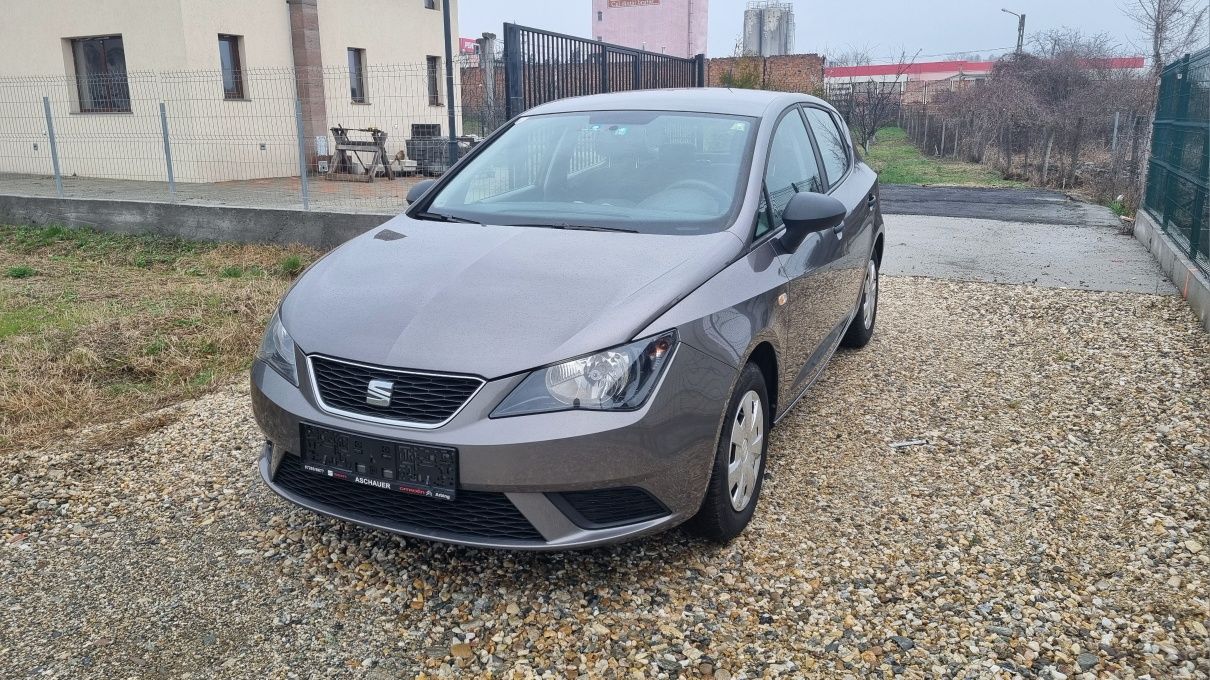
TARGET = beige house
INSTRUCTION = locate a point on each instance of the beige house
(230, 75)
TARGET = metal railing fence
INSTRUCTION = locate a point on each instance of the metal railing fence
(333, 139)
(178, 136)
(1178, 176)
(542, 66)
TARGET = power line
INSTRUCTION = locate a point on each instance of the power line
(891, 60)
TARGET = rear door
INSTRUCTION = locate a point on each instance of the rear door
(815, 285)
(852, 185)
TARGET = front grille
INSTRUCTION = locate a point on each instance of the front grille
(473, 514)
(416, 398)
(608, 507)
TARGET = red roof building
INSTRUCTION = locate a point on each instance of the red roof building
(917, 80)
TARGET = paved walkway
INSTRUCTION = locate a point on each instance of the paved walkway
(1014, 236)
(1027, 236)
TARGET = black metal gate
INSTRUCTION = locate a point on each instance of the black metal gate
(541, 66)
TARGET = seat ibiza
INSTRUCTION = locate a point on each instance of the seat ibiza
(584, 332)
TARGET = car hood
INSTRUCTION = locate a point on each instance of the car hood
(492, 300)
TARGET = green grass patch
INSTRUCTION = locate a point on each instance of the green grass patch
(111, 326)
(898, 161)
(24, 320)
(291, 265)
(138, 250)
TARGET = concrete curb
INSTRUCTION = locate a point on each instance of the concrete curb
(201, 222)
(1189, 280)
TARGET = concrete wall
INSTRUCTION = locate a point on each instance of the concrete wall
(674, 27)
(1190, 282)
(171, 50)
(208, 223)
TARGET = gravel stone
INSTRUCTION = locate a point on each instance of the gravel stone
(1063, 496)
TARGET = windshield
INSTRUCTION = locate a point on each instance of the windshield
(653, 172)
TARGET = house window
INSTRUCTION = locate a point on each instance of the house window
(426, 129)
(229, 54)
(434, 67)
(101, 74)
(430, 4)
(357, 75)
(600, 15)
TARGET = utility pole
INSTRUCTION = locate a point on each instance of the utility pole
(1020, 29)
(449, 84)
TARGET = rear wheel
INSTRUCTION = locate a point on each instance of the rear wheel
(862, 328)
(739, 462)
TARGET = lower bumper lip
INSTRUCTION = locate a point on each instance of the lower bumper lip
(580, 539)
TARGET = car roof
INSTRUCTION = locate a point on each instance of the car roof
(698, 99)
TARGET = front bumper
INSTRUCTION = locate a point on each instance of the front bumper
(529, 463)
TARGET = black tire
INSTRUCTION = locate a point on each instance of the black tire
(861, 329)
(718, 519)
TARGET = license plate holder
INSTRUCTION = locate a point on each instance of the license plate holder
(405, 467)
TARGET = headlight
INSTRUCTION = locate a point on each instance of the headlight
(618, 379)
(277, 350)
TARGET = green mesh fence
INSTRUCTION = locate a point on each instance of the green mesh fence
(1177, 175)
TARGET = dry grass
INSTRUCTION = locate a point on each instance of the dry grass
(105, 325)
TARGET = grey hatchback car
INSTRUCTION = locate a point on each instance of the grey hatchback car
(584, 332)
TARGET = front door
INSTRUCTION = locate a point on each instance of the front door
(817, 281)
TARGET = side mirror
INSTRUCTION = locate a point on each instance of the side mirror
(807, 213)
(418, 189)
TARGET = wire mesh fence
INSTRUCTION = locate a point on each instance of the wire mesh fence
(1098, 153)
(1072, 119)
(352, 138)
(348, 139)
(1095, 147)
(1178, 177)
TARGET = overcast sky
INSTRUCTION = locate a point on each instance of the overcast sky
(935, 27)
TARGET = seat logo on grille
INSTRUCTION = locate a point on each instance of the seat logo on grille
(378, 393)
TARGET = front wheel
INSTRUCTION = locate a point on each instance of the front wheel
(739, 462)
(862, 328)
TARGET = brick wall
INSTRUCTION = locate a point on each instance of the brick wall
(785, 73)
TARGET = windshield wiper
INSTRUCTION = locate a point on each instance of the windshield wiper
(576, 227)
(442, 217)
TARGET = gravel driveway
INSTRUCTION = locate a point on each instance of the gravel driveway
(1056, 522)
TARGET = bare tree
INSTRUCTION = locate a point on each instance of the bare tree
(1173, 27)
(1069, 43)
(852, 55)
(1047, 115)
(868, 103)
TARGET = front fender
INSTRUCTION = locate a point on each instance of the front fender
(733, 312)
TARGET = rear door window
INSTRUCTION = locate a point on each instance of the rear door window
(833, 145)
